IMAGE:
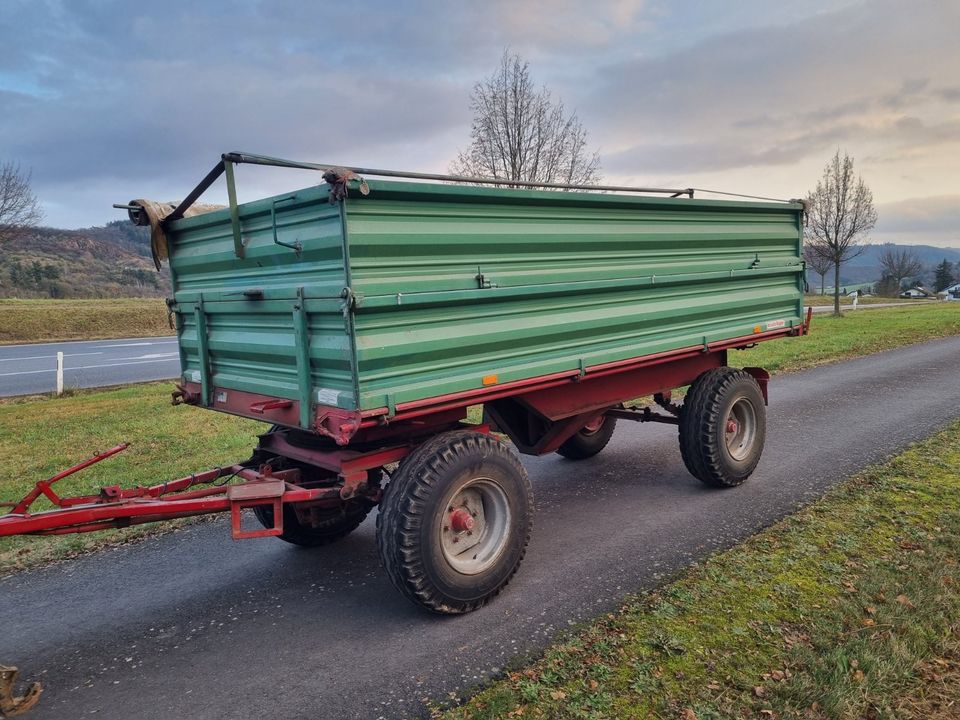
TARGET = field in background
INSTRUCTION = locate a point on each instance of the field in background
(45, 435)
(32, 321)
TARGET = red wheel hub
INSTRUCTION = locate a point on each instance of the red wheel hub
(732, 425)
(461, 520)
(594, 425)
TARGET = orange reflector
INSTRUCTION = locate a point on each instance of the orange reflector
(489, 380)
(756, 328)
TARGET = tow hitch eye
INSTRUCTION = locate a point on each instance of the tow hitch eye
(461, 521)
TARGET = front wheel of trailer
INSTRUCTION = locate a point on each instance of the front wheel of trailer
(455, 521)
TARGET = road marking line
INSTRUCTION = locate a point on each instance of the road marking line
(159, 339)
(86, 367)
(44, 357)
(136, 344)
(156, 356)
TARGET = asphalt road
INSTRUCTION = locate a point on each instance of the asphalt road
(192, 624)
(30, 369)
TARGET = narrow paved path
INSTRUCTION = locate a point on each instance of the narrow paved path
(847, 306)
(30, 369)
(192, 624)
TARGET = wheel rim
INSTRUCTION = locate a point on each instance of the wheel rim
(740, 429)
(474, 526)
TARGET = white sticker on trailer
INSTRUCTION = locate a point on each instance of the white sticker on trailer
(776, 324)
(326, 396)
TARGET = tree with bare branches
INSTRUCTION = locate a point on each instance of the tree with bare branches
(817, 262)
(899, 264)
(520, 132)
(840, 214)
(18, 205)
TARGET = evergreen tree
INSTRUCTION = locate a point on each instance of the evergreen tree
(943, 275)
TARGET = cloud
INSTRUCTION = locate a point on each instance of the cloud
(939, 213)
(812, 79)
(106, 101)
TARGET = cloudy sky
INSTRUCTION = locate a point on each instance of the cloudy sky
(105, 101)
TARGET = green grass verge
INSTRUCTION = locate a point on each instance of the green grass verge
(42, 436)
(846, 609)
(852, 335)
(31, 321)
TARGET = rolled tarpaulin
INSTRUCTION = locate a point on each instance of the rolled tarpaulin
(152, 213)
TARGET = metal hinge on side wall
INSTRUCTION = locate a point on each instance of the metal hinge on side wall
(351, 300)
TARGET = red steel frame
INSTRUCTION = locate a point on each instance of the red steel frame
(564, 402)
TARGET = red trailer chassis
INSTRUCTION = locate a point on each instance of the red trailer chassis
(538, 415)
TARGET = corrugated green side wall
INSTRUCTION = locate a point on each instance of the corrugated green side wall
(457, 283)
(575, 279)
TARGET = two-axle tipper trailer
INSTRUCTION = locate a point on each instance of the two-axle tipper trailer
(360, 319)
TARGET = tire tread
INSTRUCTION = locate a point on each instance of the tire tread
(699, 417)
(402, 512)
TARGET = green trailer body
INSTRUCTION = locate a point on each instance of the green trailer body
(421, 290)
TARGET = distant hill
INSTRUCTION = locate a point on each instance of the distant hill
(114, 261)
(866, 267)
(109, 261)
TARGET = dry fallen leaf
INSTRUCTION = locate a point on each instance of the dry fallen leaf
(906, 602)
(777, 675)
(689, 714)
(594, 684)
(558, 694)
(713, 685)
(870, 610)
(858, 675)
(759, 691)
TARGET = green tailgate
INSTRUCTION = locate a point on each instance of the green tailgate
(450, 284)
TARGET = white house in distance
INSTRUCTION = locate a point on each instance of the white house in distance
(917, 292)
(950, 293)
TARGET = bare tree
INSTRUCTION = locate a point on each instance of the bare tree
(520, 133)
(840, 213)
(899, 264)
(817, 262)
(18, 205)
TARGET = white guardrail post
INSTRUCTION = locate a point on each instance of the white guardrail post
(59, 373)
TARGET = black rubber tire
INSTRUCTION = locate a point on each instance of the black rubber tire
(703, 420)
(412, 511)
(586, 444)
(335, 523)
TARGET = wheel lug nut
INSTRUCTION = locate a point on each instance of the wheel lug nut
(456, 539)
